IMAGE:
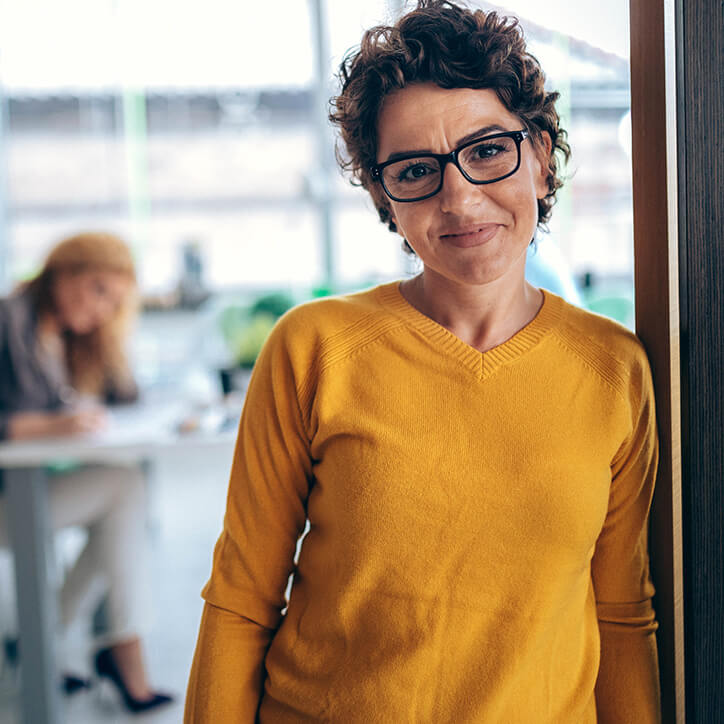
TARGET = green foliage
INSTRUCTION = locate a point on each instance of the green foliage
(252, 338)
(231, 320)
(245, 328)
(272, 304)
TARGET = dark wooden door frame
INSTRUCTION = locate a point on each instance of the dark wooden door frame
(700, 109)
(677, 101)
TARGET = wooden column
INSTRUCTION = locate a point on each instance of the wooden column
(655, 194)
(677, 85)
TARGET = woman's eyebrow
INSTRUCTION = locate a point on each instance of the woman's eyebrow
(492, 128)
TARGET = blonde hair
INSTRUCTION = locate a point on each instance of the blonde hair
(96, 362)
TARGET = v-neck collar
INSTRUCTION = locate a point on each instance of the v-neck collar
(482, 364)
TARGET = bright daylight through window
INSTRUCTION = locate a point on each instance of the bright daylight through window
(208, 147)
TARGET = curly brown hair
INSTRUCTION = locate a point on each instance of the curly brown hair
(454, 47)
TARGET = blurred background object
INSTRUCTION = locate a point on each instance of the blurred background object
(245, 329)
(218, 163)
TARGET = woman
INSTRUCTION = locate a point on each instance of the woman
(61, 359)
(474, 456)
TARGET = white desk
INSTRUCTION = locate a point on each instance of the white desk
(136, 433)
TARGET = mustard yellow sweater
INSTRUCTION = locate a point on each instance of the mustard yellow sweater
(477, 545)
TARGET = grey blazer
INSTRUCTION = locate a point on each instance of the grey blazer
(25, 383)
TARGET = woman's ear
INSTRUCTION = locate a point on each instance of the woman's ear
(543, 147)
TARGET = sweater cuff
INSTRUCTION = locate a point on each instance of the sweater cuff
(638, 616)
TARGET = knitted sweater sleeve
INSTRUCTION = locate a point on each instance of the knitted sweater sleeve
(254, 556)
(627, 688)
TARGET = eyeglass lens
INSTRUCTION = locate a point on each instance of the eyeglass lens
(484, 160)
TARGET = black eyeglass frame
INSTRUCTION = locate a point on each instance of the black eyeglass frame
(453, 157)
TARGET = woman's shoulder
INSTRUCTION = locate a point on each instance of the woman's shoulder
(16, 314)
(344, 318)
(604, 344)
(8, 305)
(317, 334)
(595, 325)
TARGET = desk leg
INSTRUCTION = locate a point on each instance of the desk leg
(27, 508)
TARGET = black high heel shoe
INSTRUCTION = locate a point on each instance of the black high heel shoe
(71, 684)
(105, 665)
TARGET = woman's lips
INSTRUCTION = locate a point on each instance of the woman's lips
(474, 236)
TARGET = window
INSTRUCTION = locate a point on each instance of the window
(201, 124)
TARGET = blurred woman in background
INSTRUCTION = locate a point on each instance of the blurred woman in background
(62, 338)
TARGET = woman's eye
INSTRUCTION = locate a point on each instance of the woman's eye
(488, 150)
(414, 172)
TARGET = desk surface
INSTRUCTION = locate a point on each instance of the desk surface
(143, 431)
(134, 432)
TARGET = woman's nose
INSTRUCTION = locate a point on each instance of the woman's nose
(457, 193)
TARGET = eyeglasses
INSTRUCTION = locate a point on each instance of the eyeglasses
(485, 160)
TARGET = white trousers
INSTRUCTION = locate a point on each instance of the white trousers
(109, 502)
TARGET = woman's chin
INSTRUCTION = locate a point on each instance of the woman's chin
(80, 327)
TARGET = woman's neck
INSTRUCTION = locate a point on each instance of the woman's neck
(483, 316)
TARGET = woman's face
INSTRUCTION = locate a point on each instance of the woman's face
(467, 234)
(86, 300)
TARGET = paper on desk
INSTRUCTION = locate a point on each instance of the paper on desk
(140, 423)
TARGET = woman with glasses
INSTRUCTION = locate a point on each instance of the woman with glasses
(475, 457)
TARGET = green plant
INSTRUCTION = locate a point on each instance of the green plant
(245, 328)
(252, 338)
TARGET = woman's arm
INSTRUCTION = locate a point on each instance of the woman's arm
(253, 558)
(122, 390)
(227, 674)
(627, 689)
(37, 424)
